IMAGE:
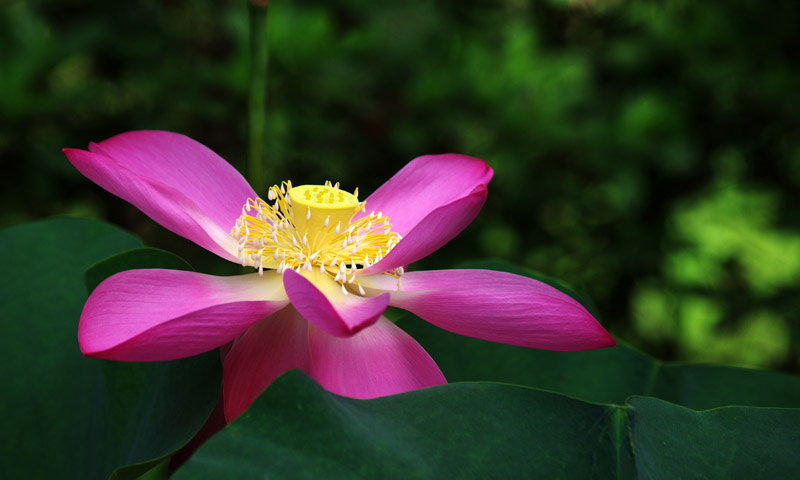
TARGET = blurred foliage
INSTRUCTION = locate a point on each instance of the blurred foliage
(646, 152)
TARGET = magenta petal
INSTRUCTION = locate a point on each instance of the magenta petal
(425, 184)
(435, 230)
(496, 306)
(175, 180)
(267, 349)
(323, 304)
(377, 361)
(150, 315)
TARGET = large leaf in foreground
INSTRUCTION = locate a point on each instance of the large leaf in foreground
(65, 415)
(729, 442)
(608, 375)
(295, 429)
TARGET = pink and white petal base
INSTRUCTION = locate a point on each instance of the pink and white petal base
(432, 232)
(173, 179)
(495, 306)
(267, 349)
(380, 360)
(320, 300)
(153, 315)
(425, 184)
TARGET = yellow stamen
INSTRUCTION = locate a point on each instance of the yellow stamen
(312, 227)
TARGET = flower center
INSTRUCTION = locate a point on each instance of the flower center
(311, 228)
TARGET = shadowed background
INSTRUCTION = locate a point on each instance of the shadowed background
(645, 152)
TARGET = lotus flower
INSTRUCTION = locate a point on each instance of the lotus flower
(324, 272)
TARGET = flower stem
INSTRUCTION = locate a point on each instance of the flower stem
(257, 98)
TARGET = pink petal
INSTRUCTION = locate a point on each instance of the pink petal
(435, 230)
(173, 179)
(323, 304)
(377, 361)
(425, 184)
(267, 349)
(495, 306)
(150, 315)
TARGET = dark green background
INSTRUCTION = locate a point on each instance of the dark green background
(646, 152)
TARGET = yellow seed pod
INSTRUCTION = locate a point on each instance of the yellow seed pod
(317, 209)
